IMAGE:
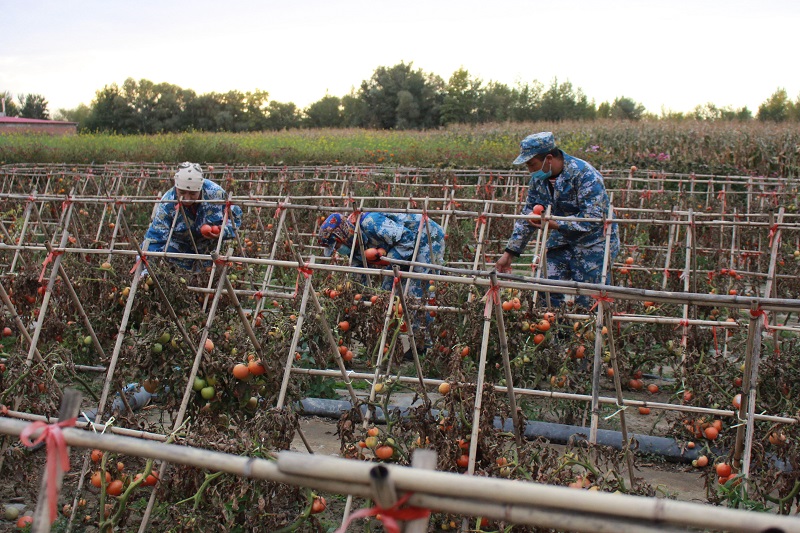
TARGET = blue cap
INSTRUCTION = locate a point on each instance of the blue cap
(533, 145)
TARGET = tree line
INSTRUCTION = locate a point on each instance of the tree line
(397, 97)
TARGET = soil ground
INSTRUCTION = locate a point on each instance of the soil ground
(680, 480)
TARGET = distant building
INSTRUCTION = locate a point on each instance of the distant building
(35, 125)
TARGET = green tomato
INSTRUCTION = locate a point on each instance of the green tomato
(87, 340)
(199, 384)
(207, 393)
(11, 512)
(211, 380)
(157, 348)
(164, 338)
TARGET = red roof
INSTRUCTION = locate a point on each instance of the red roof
(20, 120)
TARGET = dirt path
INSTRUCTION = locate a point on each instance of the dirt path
(680, 480)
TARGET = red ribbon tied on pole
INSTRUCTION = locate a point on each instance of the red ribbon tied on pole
(305, 270)
(47, 260)
(772, 231)
(57, 456)
(481, 220)
(493, 296)
(389, 516)
(755, 313)
(601, 298)
(682, 323)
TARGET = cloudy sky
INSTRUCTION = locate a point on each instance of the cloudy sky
(670, 54)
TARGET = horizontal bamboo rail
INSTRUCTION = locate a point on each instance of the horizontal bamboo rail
(455, 493)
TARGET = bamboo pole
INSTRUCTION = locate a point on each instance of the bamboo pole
(188, 392)
(598, 340)
(492, 297)
(411, 326)
(501, 333)
(24, 230)
(499, 499)
(750, 382)
(298, 331)
(70, 404)
(563, 396)
(687, 276)
(623, 425)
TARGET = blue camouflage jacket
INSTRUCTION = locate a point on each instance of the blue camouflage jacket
(578, 191)
(397, 234)
(187, 228)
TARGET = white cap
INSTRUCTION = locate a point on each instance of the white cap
(189, 177)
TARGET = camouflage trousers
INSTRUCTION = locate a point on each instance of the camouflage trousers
(583, 264)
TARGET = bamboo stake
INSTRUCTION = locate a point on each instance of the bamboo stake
(476, 412)
(278, 232)
(598, 340)
(750, 383)
(46, 298)
(623, 425)
(24, 230)
(387, 317)
(188, 392)
(410, 325)
(501, 332)
(687, 275)
(423, 459)
(70, 404)
(298, 331)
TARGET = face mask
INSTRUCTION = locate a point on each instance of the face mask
(541, 174)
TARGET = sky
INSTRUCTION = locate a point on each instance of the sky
(667, 55)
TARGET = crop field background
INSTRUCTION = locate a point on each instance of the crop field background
(684, 146)
(690, 353)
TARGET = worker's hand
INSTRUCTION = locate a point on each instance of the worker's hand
(536, 222)
(209, 232)
(503, 265)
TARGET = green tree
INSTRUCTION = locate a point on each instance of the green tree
(33, 106)
(79, 114)
(110, 112)
(282, 116)
(776, 108)
(624, 108)
(354, 111)
(495, 102)
(562, 102)
(325, 113)
(461, 99)
(710, 111)
(11, 108)
(156, 107)
(525, 101)
(200, 113)
(402, 98)
(256, 109)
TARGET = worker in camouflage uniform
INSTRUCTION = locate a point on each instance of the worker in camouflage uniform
(394, 232)
(195, 224)
(573, 188)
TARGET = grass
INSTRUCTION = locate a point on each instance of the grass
(684, 146)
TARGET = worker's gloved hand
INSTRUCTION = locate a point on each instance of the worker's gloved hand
(209, 232)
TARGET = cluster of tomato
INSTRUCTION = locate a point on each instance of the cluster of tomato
(115, 487)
